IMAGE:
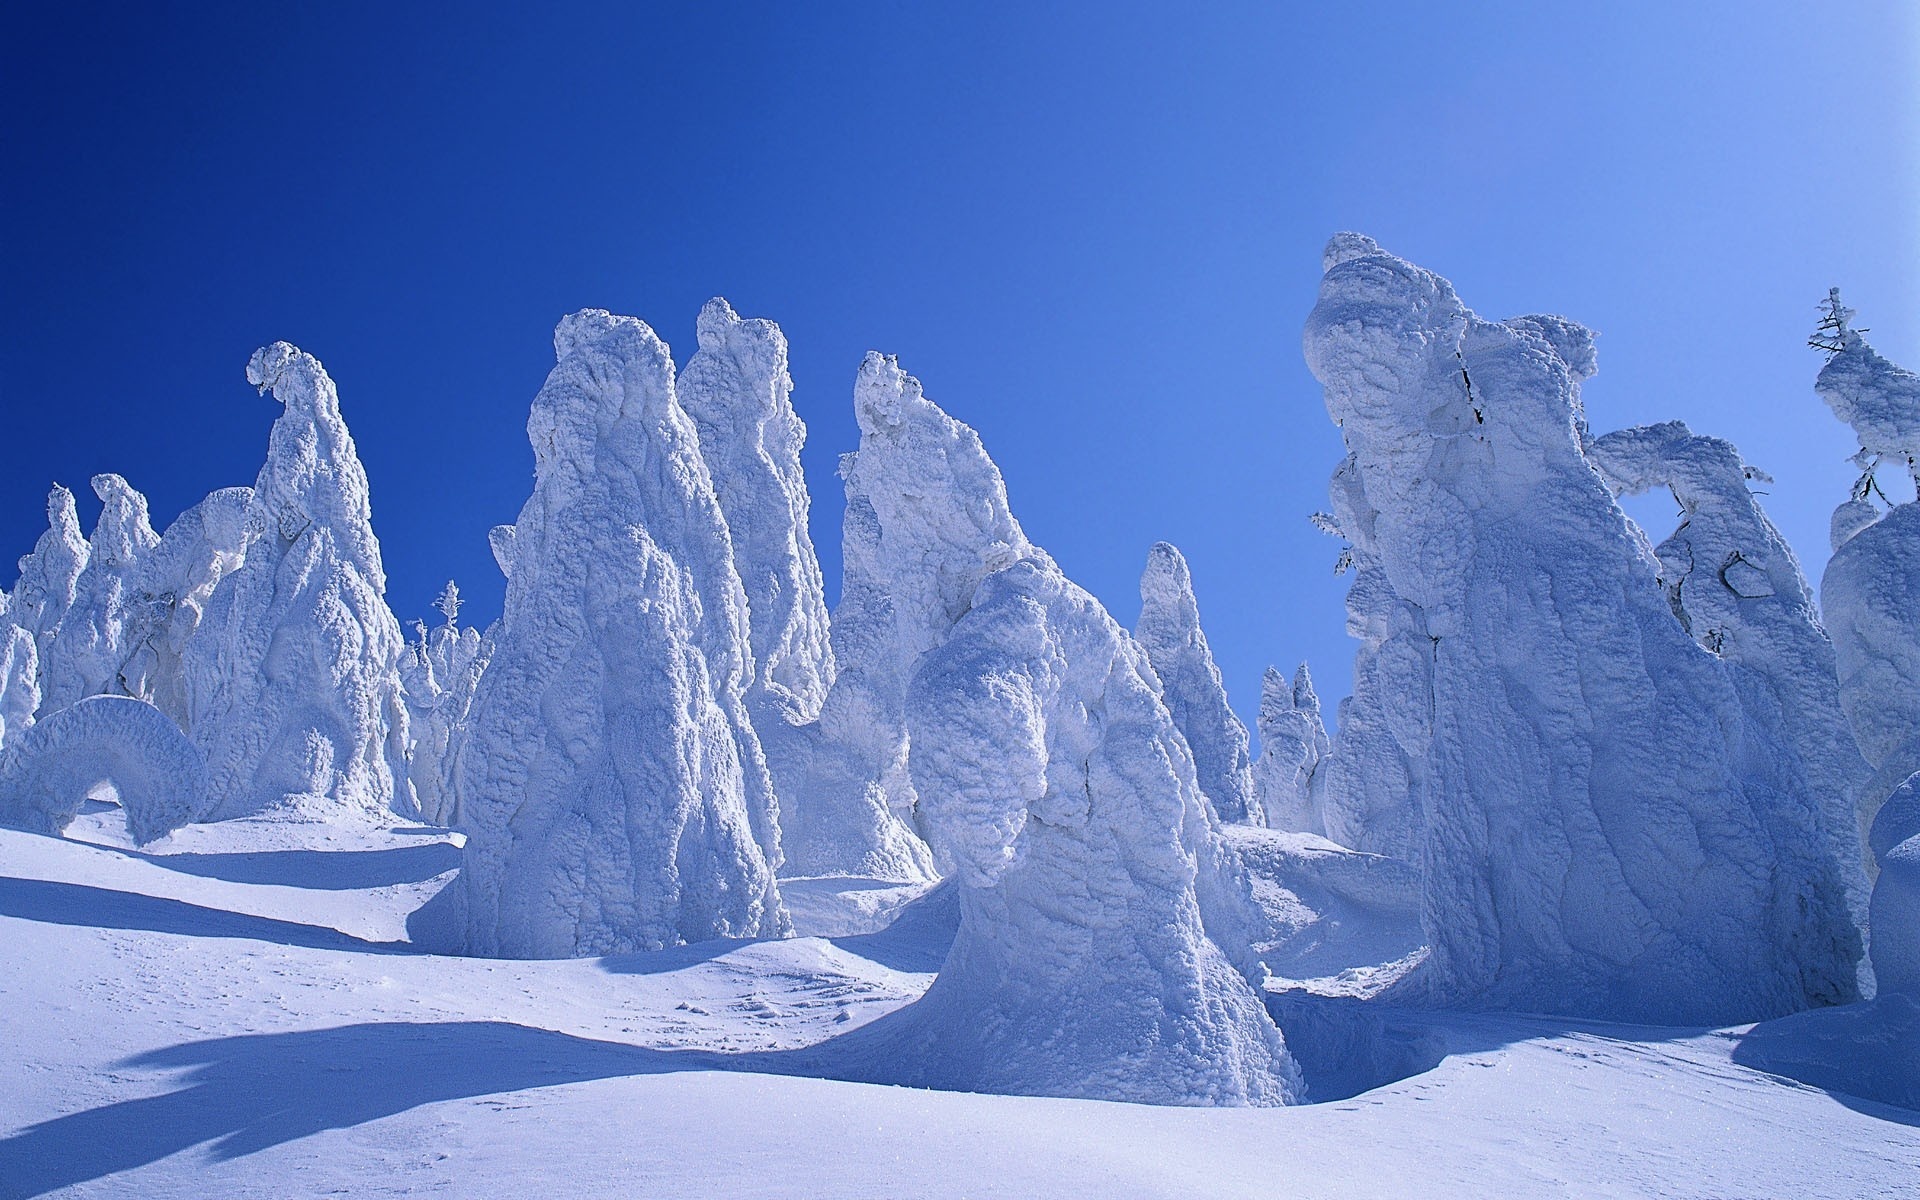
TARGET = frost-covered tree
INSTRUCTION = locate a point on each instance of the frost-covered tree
(1870, 596)
(1609, 829)
(736, 389)
(1169, 631)
(441, 671)
(19, 679)
(48, 575)
(610, 782)
(1293, 744)
(293, 679)
(94, 636)
(170, 591)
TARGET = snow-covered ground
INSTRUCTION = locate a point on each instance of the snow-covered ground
(236, 1011)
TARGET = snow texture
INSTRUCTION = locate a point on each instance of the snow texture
(49, 575)
(1169, 631)
(926, 520)
(1099, 907)
(736, 389)
(1870, 596)
(1610, 830)
(1293, 745)
(19, 680)
(1736, 586)
(292, 677)
(441, 672)
(92, 638)
(48, 772)
(612, 788)
(170, 593)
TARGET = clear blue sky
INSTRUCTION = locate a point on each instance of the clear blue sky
(1093, 231)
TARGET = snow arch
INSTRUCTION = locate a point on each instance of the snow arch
(47, 771)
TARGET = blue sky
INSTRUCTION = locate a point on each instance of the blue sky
(1092, 231)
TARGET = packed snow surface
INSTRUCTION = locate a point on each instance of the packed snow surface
(1611, 828)
(610, 781)
(256, 1026)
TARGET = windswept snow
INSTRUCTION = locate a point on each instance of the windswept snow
(293, 676)
(1169, 631)
(1610, 831)
(612, 787)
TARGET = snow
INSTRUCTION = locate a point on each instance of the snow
(440, 672)
(48, 576)
(253, 1027)
(49, 771)
(1293, 744)
(293, 674)
(1610, 830)
(170, 593)
(1169, 631)
(19, 681)
(91, 641)
(610, 782)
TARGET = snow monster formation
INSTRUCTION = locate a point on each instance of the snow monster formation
(1609, 829)
(1736, 586)
(926, 520)
(47, 771)
(1293, 745)
(1104, 940)
(94, 635)
(1870, 596)
(169, 594)
(19, 678)
(292, 677)
(441, 671)
(736, 389)
(48, 576)
(1169, 631)
(613, 791)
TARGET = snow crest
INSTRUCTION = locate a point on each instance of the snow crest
(292, 674)
(1609, 830)
(1169, 631)
(612, 787)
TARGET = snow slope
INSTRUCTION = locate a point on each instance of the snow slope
(232, 1013)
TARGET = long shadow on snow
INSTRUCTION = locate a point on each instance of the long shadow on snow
(1866, 1056)
(326, 870)
(55, 903)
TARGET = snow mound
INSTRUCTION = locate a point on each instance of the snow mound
(1868, 1051)
(1086, 861)
(1169, 631)
(1287, 776)
(292, 675)
(47, 772)
(1609, 829)
(610, 782)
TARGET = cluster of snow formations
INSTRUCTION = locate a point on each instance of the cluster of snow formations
(19, 678)
(47, 772)
(1610, 830)
(1870, 596)
(441, 672)
(613, 790)
(170, 591)
(1099, 906)
(50, 574)
(1736, 586)
(737, 390)
(1293, 744)
(1169, 631)
(926, 520)
(292, 676)
(91, 641)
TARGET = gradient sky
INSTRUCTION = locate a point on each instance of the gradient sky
(1092, 231)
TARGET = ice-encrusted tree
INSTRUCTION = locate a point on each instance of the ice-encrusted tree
(610, 782)
(94, 636)
(1169, 631)
(48, 575)
(441, 671)
(736, 388)
(1870, 598)
(293, 675)
(48, 769)
(1293, 744)
(1609, 828)
(169, 593)
(1736, 586)
(19, 679)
